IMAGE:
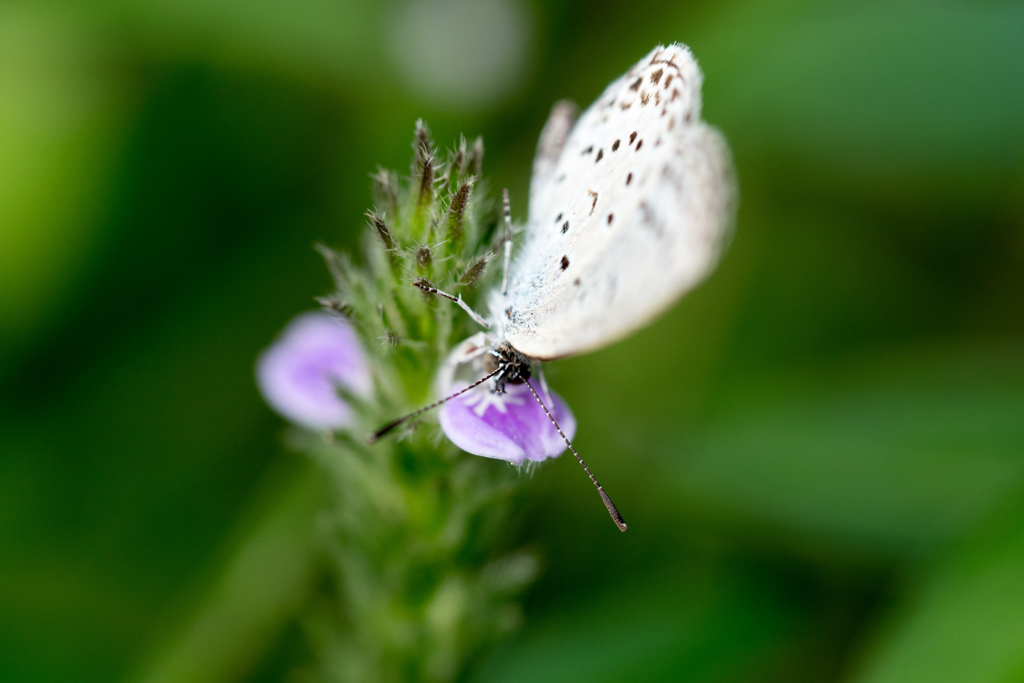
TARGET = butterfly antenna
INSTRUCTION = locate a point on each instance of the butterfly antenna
(373, 438)
(612, 510)
(508, 239)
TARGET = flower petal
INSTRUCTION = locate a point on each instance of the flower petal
(510, 427)
(299, 374)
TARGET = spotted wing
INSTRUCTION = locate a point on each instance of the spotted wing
(633, 214)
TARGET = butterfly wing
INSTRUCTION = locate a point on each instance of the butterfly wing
(632, 214)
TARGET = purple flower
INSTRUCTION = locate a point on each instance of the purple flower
(510, 427)
(300, 373)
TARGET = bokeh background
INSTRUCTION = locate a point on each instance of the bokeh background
(820, 452)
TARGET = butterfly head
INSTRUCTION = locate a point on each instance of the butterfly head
(512, 367)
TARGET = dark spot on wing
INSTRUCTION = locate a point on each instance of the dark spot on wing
(644, 98)
(636, 84)
(638, 143)
(558, 217)
(671, 61)
(564, 262)
(629, 177)
(615, 145)
(626, 105)
(649, 220)
(632, 136)
(588, 150)
(508, 312)
(565, 227)
(600, 155)
(671, 123)
(576, 282)
(668, 80)
(656, 76)
(593, 203)
(688, 116)
(609, 219)
(646, 215)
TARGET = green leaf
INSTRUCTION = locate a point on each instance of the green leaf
(967, 623)
(319, 38)
(888, 453)
(874, 92)
(60, 131)
(681, 626)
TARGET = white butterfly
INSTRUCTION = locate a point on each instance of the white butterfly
(630, 208)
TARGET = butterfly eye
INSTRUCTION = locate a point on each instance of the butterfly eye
(490, 362)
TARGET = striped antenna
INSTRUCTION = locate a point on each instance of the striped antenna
(373, 438)
(612, 510)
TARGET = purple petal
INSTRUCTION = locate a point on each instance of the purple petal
(299, 374)
(510, 427)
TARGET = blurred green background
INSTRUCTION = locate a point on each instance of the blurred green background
(820, 452)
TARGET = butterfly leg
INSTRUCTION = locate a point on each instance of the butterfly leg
(467, 352)
(538, 369)
(429, 288)
(508, 240)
